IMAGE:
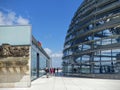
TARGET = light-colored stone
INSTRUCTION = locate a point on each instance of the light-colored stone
(4, 70)
(11, 70)
(69, 83)
(17, 69)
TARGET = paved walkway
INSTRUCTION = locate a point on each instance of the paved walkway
(68, 83)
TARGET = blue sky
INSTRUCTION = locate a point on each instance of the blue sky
(50, 20)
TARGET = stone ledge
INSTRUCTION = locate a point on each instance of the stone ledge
(100, 76)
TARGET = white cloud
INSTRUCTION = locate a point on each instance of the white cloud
(56, 57)
(53, 55)
(48, 51)
(22, 21)
(5, 9)
(1, 18)
(10, 18)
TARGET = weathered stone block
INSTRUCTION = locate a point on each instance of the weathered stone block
(4, 70)
(11, 70)
(14, 66)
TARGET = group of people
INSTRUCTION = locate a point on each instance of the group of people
(51, 71)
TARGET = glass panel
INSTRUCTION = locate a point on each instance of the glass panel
(33, 65)
(43, 65)
(8, 35)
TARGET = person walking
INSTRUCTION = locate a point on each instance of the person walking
(51, 71)
(47, 72)
(54, 70)
(57, 70)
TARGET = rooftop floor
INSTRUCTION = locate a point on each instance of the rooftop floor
(70, 83)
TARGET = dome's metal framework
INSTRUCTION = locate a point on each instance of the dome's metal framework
(92, 43)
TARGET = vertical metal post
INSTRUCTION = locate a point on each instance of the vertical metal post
(37, 65)
(92, 56)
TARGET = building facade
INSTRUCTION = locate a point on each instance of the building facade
(92, 43)
(39, 60)
(22, 58)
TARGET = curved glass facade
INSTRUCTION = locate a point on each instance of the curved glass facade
(92, 43)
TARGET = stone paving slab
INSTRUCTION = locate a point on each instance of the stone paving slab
(68, 83)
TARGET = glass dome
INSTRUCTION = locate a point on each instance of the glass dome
(92, 43)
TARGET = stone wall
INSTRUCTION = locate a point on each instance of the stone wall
(14, 66)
